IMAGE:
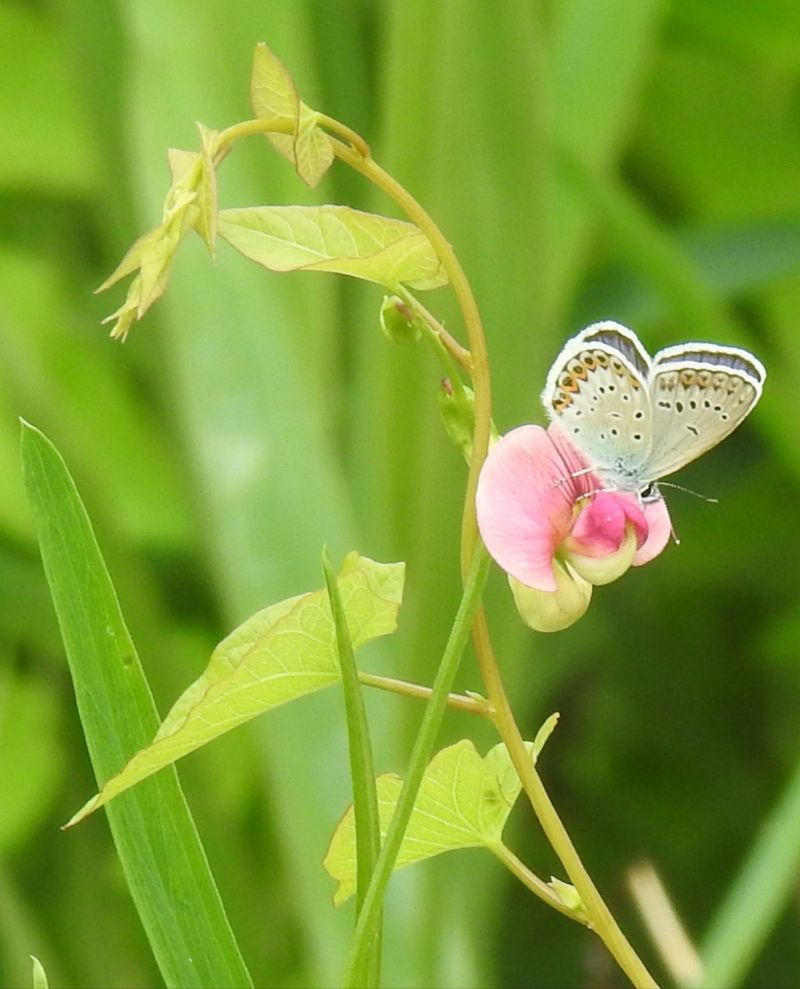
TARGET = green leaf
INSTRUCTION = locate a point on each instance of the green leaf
(194, 177)
(207, 201)
(313, 151)
(160, 852)
(463, 802)
(39, 980)
(272, 90)
(334, 238)
(280, 653)
(273, 94)
(362, 773)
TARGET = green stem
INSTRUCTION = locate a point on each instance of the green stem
(600, 917)
(446, 342)
(472, 323)
(461, 702)
(537, 886)
(420, 757)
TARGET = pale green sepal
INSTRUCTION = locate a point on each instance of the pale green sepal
(552, 611)
(282, 652)
(399, 322)
(457, 409)
(569, 896)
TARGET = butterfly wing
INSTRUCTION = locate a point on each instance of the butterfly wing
(597, 390)
(700, 393)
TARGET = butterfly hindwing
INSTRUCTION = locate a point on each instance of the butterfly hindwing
(700, 394)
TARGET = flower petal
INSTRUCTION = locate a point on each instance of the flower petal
(604, 569)
(526, 492)
(552, 611)
(659, 530)
(603, 522)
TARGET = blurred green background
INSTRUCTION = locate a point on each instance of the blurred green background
(588, 159)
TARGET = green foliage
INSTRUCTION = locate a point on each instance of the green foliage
(273, 94)
(39, 974)
(334, 238)
(156, 840)
(256, 418)
(463, 802)
(280, 653)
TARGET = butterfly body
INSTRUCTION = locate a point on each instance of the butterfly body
(637, 419)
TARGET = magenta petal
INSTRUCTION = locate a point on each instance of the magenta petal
(659, 529)
(600, 528)
(524, 502)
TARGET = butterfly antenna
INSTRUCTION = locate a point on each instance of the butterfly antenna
(680, 487)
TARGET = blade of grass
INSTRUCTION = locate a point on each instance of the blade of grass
(761, 889)
(157, 843)
(362, 771)
(369, 916)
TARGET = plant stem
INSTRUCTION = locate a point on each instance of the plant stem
(459, 354)
(420, 757)
(600, 917)
(533, 882)
(472, 323)
(461, 702)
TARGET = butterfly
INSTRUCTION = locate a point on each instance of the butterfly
(637, 419)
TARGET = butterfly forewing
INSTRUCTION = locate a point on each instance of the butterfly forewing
(601, 401)
(620, 339)
(700, 394)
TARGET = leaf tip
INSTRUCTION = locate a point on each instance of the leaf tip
(85, 811)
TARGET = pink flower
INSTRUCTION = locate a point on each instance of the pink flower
(546, 520)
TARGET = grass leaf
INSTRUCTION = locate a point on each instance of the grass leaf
(158, 846)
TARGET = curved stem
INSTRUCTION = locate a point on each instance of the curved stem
(600, 917)
(472, 323)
